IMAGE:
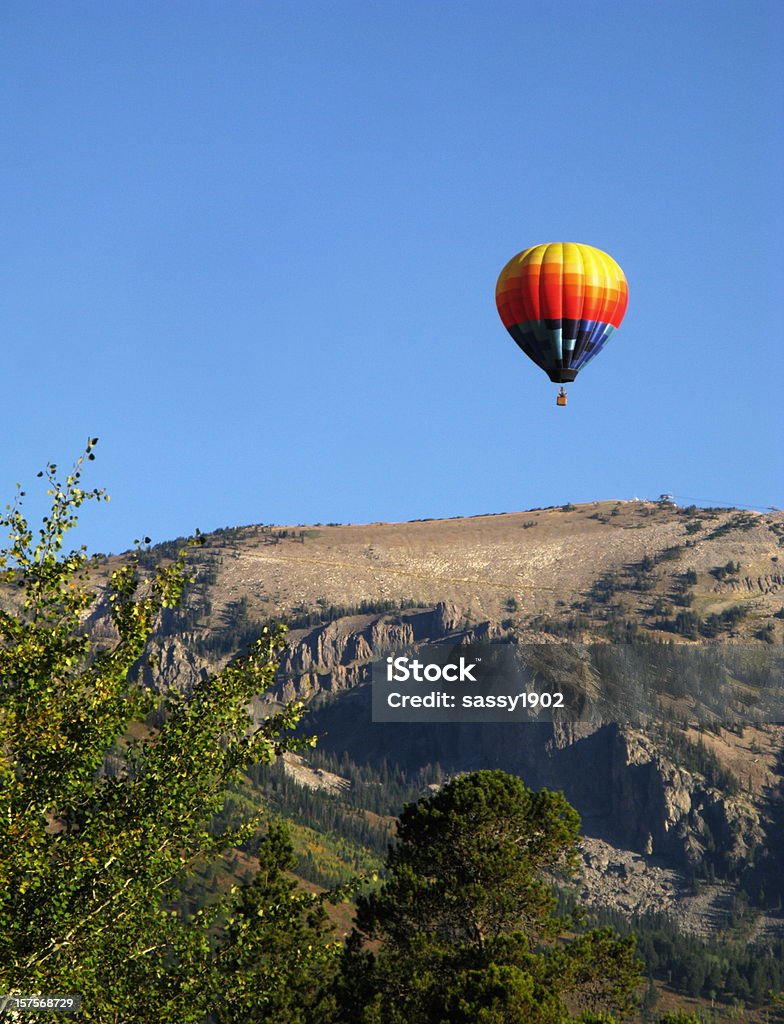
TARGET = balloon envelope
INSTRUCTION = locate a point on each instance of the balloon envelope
(561, 302)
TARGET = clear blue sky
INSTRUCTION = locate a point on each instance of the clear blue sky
(253, 247)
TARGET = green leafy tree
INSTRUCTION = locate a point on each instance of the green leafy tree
(91, 863)
(464, 927)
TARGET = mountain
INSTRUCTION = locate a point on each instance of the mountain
(679, 818)
(638, 559)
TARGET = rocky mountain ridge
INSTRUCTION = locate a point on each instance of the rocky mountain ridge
(671, 799)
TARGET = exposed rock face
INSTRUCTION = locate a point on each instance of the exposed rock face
(172, 665)
(626, 788)
(636, 884)
(770, 583)
(337, 656)
(664, 809)
(332, 658)
(297, 768)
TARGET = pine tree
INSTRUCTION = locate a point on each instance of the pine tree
(465, 922)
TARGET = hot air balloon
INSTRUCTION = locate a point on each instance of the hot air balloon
(561, 302)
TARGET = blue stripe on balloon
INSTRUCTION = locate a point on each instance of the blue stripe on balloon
(553, 343)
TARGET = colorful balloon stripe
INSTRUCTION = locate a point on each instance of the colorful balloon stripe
(561, 303)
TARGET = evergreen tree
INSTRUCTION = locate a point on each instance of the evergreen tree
(465, 924)
(275, 973)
